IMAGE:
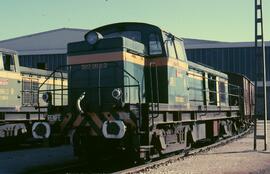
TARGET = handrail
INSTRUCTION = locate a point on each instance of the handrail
(54, 90)
(157, 91)
(229, 93)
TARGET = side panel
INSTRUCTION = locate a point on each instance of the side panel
(168, 76)
(178, 91)
(196, 88)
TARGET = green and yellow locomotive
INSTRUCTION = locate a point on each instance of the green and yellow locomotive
(132, 93)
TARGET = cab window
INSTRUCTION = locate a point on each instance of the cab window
(8, 61)
(154, 45)
(169, 46)
(179, 46)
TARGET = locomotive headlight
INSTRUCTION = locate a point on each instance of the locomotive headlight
(92, 37)
(46, 97)
(117, 93)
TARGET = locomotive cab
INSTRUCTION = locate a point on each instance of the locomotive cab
(9, 68)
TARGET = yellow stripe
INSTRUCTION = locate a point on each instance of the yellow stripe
(164, 61)
(106, 57)
(18, 76)
(194, 75)
(10, 75)
(177, 64)
(134, 58)
(50, 82)
(125, 56)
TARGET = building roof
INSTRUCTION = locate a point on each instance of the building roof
(8, 51)
(55, 42)
(206, 45)
(49, 42)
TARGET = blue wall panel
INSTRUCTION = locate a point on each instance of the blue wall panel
(239, 60)
(52, 61)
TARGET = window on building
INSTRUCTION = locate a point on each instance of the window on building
(8, 61)
(154, 44)
(41, 65)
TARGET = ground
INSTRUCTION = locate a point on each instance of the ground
(235, 157)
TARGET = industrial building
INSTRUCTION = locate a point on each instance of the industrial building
(48, 49)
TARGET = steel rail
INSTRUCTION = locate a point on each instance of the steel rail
(163, 162)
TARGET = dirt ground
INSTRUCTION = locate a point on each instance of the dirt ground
(235, 157)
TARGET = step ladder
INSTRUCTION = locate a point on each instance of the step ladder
(261, 96)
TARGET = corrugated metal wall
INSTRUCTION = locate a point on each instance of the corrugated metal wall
(238, 60)
(52, 60)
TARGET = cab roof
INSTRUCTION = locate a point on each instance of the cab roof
(116, 27)
(4, 50)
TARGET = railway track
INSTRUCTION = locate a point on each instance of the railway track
(163, 162)
(76, 166)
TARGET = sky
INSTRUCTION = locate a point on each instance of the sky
(222, 20)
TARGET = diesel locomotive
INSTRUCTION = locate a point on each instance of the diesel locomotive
(132, 94)
(20, 96)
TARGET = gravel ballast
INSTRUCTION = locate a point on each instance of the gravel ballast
(235, 157)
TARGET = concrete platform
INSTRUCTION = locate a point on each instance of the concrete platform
(235, 157)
